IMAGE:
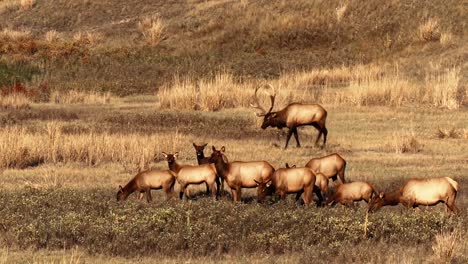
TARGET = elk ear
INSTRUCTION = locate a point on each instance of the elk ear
(381, 195)
(120, 188)
(223, 149)
(287, 165)
(258, 183)
(274, 115)
(204, 145)
(268, 184)
(213, 148)
(176, 154)
(194, 145)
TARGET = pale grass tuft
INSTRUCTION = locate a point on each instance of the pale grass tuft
(430, 30)
(341, 12)
(448, 133)
(87, 38)
(406, 142)
(27, 4)
(52, 36)
(80, 97)
(443, 90)
(15, 35)
(15, 101)
(152, 30)
(448, 245)
(447, 39)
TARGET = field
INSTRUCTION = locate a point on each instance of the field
(93, 93)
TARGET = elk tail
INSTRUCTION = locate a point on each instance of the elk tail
(453, 183)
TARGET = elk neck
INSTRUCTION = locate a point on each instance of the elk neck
(222, 168)
(392, 198)
(175, 167)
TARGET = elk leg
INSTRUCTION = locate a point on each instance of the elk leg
(298, 196)
(140, 195)
(288, 137)
(319, 196)
(234, 194)
(213, 191)
(296, 136)
(148, 195)
(319, 129)
(207, 189)
(341, 174)
(325, 133)
(182, 191)
(168, 192)
(239, 194)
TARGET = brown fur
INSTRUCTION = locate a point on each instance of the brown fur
(332, 165)
(417, 192)
(348, 193)
(321, 182)
(239, 174)
(188, 174)
(293, 116)
(199, 150)
(146, 181)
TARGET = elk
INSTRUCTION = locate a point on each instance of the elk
(146, 181)
(321, 181)
(188, 174)
(293, 116)
(204, 160)
(331, 166)
(300, 181)
(348, 193)
(417, 192)
(241, 174)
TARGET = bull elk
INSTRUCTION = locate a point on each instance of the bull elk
(188, 174)
(348, 193)
(199, 150)
(321, 181)
(146, 181)
(331, 166)
(241, 174)
(417, 192)
(300, 181)
(293, 116)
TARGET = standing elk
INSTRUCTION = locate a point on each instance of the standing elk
(300, 181)
(204, 160)
(348, 193)
(321, 181)
(331, 166)
(188, 174)
(146, 181)
(241, 174)
(417, 192)
(293, 116)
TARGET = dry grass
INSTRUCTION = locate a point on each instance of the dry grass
(447, 39)
(429, 30)
(444, 90)
(448, 133)
(27, 4)
(15, 101)
(14, 35)
(406, 142)
(341, 12)
(447, 246)
(152, 29)
(87, 38)
(52, 36)
(21, 148)
(80, 97)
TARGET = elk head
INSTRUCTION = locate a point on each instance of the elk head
(265, 188)
(199, 150)
(288, 167)
(376, 202)
(170, 158)
(269, 118)
(217, 155)
(120, 194)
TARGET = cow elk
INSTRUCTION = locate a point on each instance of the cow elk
(146, 181)
(348, 193)
(241, 174)
(331, 166)
(417, 192)
(300, 181)
(321, 182)
(293, 116)
(199, 150)
(188, 174)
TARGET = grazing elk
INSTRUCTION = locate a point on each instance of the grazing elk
(417, 192)
(300, 181)
(188, 174)
(348, 193)
(331, 166)
(146, 181)
(293, 116)
(321, 182)
(241, 174)
(204, 160)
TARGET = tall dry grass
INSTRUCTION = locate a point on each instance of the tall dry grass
(27, 4)
(152, 29)
(444, 90)
(429, 30)
(80, 97)
(15, 101)
(21, 148)
(448, 245)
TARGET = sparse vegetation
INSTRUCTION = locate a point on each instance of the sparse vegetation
(152, 29)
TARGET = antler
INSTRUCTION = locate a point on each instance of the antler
(259, 107)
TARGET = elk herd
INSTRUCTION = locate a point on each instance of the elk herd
(305, 182)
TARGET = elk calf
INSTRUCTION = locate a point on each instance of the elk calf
(293, 116)
(146, 181)
(188, 174)
(332, 165)
(417, 192)
(348, 193)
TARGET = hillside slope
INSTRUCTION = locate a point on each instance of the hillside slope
(252, 39)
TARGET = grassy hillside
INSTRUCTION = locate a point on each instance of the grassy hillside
(251, 39)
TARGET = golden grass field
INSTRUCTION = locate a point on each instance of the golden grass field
(91, 92)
